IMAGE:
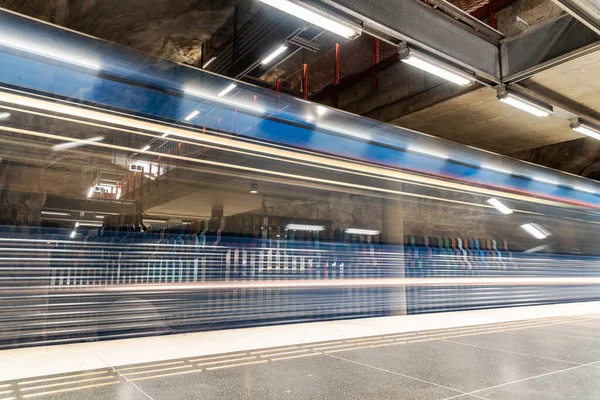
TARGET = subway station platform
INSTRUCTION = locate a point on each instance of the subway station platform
(541, 352)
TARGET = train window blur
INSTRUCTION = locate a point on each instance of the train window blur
(145, 197)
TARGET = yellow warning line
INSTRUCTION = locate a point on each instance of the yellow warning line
(66, 383)
(237, 365)
(297, 356)
(164, 375)
(148, 366)
(60, 377)
(218, 357)
(157, 370)
(69, 389)
(284, 353)
(226, 361)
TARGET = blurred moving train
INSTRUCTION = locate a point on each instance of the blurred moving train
(354, 217)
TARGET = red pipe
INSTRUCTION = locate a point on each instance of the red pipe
(305, 81)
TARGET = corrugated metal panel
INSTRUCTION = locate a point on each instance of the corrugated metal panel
(547, 42)
(419, 24)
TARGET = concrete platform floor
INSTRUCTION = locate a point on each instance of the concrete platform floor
(554, 357)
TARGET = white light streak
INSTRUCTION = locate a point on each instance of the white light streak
(57, 213)
(190, 116)
(274, 54)
(309, 228)
(227, 90)
(368, 232)
(536, 231)
(73, 234)
(90, 192)
(525, 106)
(421, 150)
(206, 64)
(313, 18)
(499, 206)
(77, 143)
(442, 72)
(145, 149)
(321, 110)
(4, 115)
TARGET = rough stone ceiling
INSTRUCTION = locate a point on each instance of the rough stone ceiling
(166, 28)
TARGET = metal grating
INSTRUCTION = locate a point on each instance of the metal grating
(562, 36)
(419, 24)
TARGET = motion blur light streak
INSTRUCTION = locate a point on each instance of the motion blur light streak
(368, 232)
(145, 149)
(191, 116)
(77, 143)
(90, 192)
(536, 231)
(314, 17)
(308, 228)
(499, 206)
(274, 54)
(227, 90)
(206, 64)
(4, 116)
(57, 213)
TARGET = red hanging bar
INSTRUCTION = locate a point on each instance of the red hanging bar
(336, 75)
(305, 81)
(375, 62)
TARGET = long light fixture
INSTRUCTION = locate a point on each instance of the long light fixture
(145, 149)
(585, 128)
(4, 115)
(368, 232)
(309, 228)
(77, 143)
(499, 206)
(190, 116)
(206, 64)
(227, 90)
(435, 67)
(56, 213)
(316, 17)
(525, 104)
(276, 53)
(536, 231)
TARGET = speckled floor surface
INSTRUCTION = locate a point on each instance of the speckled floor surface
(550, 358)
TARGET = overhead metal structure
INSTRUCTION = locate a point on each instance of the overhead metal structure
(586, 11)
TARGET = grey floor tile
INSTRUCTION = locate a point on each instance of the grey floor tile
(538, 344)
(454, 365)
(318, 377)
(588, 329)
(582, 383)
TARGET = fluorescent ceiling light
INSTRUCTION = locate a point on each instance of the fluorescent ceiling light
(300, 227)
(73, 234)
(145, 149)
(85, 223)
(525, 105)
(314, 17)
(57, 213)
(4, 115)
(437, 68)
(274, 54)
(227, 90)
(99, 216)
(368, 232)
(77, 143)
(191, 116)
(586, 129)
(165, 134)
(90, 192)
(536, 231)
(499, 206)
(206, 64)
(76, 225)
